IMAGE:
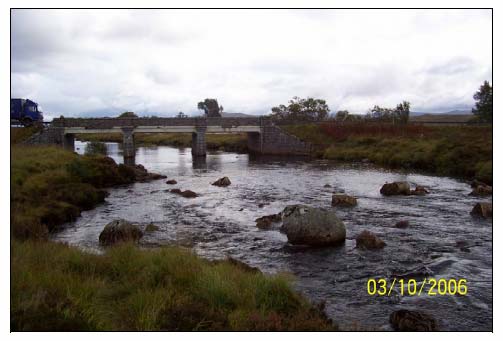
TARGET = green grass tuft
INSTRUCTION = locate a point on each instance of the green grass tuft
(56, 287)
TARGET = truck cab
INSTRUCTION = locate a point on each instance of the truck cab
(25, 111)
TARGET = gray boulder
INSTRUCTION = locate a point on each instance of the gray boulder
(396, 188)
(482, 190)
(343, 200)
(483, 210)
(312, 226)
(222, 182)
(119, 231)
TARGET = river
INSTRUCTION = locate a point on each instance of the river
(443, 240)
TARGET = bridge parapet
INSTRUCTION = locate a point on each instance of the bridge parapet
(109, 123)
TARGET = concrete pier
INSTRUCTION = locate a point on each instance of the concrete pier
(199, 141)
(128, 148)
(69, 141)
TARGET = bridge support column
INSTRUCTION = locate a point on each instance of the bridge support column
(199, 141)
(69, 142)
(128, 149)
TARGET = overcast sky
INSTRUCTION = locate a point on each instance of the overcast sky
(165, 61)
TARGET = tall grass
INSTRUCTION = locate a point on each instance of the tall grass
(51, 186)
(459, 151)
(55, 287)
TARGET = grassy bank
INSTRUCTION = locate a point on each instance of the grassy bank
(458, 151)
(225, 142)
(20, 134)
(51, 186)
(56, 287)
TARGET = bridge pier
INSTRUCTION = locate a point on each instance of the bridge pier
(199, 141)
(69, 142)
(128, 149)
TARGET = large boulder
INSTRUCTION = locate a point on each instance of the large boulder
(369, 241)
(396, 188)
(268, 221)
(343, 200)
(222, 182)
(482, 190)
(483, 210)
(312, 226)
(412, 321)
(119, 231)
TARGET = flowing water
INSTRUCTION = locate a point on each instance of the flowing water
(442, 241)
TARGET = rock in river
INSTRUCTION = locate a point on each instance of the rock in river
(141, 174)
(222, 182)
(186, 194)
(420, 190)
(368, 240)
(482, 190)
(151, 228)
(402, 224)
(483, 210)
(412, 321)
(119, 231)
(312, 226)
(343, 200)
(267, 221)
(171, 182)
(396, 188)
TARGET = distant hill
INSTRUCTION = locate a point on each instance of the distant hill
(452, 112)
(235, 114)
(441, 118)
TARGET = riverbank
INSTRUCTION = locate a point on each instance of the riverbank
(462, 152)
(236, 143)
(56, 287)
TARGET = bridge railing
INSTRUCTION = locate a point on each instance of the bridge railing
(107, 123)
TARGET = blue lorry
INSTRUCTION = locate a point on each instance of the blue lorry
(25, 112)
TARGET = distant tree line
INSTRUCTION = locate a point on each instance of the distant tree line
(313, 110)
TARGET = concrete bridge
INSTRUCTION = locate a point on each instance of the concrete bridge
(263, 136)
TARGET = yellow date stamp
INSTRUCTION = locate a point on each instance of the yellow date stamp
(412, 287)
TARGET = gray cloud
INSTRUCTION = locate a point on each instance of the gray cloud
(165, 61)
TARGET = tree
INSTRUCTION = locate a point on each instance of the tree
(128, 114)
(484, 103)
(341, 115)
(300, 109)
(398, 115)
(402, 112)
(181, 115)
(210, 107)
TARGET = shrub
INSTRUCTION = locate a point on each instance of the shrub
(96, 148)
